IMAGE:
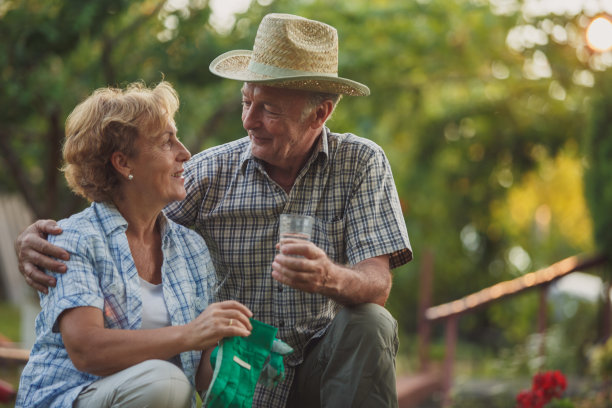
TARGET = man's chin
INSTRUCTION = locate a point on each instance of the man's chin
(259, 152)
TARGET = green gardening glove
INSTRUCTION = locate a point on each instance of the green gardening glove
(273, 371)
(237, 364)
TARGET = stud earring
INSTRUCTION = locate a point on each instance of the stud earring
(130, 177)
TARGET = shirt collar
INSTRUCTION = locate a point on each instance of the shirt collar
(113, 222)
(321, 151)
(323, 148)
(110, 218)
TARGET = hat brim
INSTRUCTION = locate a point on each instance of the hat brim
(235, 64)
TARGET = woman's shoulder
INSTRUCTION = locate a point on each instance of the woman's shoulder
(91, 223)
(81, 223)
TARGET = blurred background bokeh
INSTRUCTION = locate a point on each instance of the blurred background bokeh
(496, 117)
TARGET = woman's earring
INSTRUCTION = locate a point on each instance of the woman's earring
(130, 177)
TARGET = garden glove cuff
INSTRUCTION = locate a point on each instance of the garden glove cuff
(238, 363)
(273, 371)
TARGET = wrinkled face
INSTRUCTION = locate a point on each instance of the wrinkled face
(158, 166)
(273, 117)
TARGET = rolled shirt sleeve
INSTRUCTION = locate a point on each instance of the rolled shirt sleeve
(374, 221)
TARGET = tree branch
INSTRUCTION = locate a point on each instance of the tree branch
(54, 137)
(126, 31)
(108, 43)
(23, 184)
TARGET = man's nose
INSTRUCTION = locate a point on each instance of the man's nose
(250, 118)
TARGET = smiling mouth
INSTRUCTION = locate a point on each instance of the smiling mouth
(178, 174)
(259, 138)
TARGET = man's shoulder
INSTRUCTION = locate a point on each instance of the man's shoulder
(221, 152)
(351, 145)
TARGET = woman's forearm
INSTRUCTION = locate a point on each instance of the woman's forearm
(101, 351)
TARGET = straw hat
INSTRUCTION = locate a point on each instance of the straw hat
(290, 52)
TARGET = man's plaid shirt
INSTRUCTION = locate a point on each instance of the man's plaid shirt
(346, 185)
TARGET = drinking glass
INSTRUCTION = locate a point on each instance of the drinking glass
(295, 226)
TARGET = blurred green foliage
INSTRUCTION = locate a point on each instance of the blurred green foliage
(599, 172)
(482, 113)
(601, 360)
(9, 329)
(9, 322)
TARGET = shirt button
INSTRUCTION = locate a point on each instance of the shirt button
(281, 323)
(280, 288)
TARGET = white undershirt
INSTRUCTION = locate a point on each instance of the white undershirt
(154, 310)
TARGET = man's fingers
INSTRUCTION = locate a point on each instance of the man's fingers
(299, 248)
(35, 254)
(36, 285)
(30, 242)
(37, 278)
(44, 262)
(293, 277)
(294, 263)
(54, 251)
(47, 227)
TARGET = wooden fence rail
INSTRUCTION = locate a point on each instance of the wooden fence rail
(449, 314)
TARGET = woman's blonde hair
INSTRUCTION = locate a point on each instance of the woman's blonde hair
(110, 120)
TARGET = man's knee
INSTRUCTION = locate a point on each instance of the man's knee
(368, 322)
(359, 358)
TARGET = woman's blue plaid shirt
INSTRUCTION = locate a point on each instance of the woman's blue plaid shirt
(101, 273)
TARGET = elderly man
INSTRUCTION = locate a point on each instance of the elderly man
(325, 296)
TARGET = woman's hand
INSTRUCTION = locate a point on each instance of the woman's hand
(219, 320)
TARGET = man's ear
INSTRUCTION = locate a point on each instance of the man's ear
(120, 163)
(322, 113)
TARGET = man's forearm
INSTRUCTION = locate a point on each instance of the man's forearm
(368, 281)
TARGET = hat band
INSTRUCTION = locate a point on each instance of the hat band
(276, 72)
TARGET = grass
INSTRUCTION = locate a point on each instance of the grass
(10, 326)
(10, 321)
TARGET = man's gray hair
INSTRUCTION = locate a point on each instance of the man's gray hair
(316, 98)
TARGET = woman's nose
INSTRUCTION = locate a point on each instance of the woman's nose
(183, 154)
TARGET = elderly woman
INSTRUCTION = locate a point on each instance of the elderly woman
(128, 323)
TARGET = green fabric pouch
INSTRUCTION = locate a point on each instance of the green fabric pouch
(238, 363)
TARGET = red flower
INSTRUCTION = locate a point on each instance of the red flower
(530, 399)
(524, 399)
(545, 387)
(552, 383)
